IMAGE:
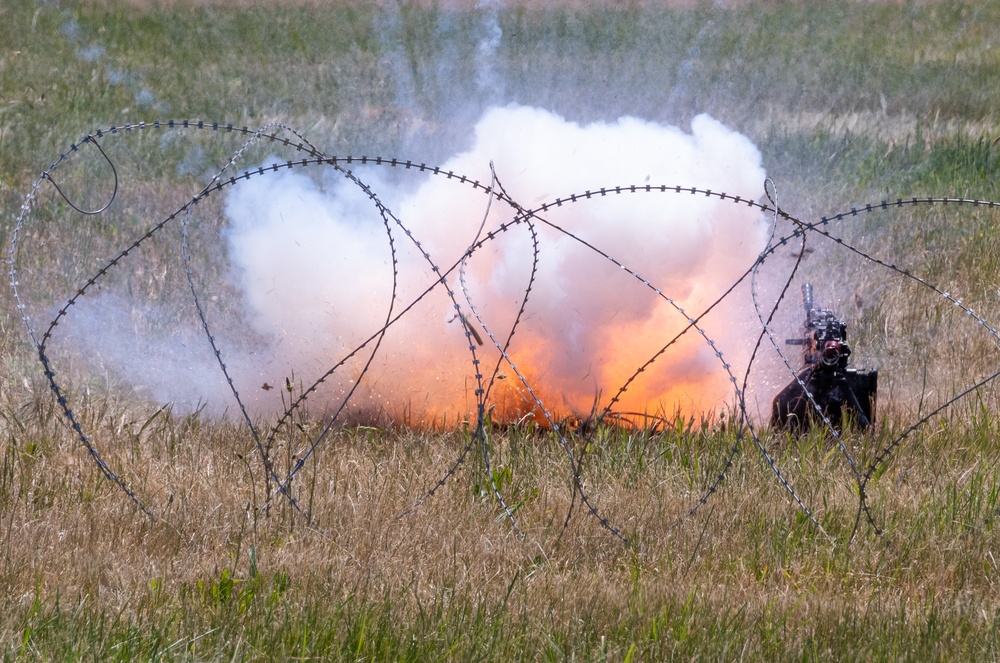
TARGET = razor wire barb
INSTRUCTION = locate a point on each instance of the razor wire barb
(445, 276)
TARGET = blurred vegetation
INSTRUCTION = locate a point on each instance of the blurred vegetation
(375, 78)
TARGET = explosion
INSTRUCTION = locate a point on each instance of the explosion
(314, 259)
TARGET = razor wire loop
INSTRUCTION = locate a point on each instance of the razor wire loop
(117, 260)
(525, 217)
(489, 332)
(766, 330)
(483, 395)
(41, 343)
(770, 190)
(114, 172)
(385, 214)
(692, 323)
(882, 456)
(442, 280)
(480, 424)
(315, 157)
(61, 399)
(269, 471)
(503, 350)
(886, 451)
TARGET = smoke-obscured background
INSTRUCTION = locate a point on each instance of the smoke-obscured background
(836, 105)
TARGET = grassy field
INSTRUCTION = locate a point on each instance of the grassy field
(849, 103)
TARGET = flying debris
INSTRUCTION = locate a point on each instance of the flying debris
(825, 383)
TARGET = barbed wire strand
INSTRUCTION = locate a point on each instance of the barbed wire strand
(527, 218)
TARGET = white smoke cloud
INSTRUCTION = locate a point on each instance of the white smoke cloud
(313, 259)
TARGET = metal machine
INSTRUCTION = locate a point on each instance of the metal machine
(825, 383)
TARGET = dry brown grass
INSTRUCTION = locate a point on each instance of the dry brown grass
(68, 532)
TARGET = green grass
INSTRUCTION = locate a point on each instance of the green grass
(345, 68)
(848, 102)
(680, 629)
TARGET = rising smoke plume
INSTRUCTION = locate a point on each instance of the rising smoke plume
(312, 256)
